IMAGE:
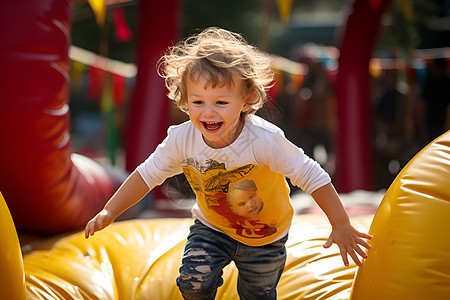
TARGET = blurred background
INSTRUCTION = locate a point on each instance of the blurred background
(408, 75)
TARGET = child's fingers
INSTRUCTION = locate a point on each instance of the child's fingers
(99, 222)
(353, 251)
(344, 255)
(360, 251)
(93, 225)
(364, 235)
(329, 242)
(353, 255)
(88, 231)
(363, 243)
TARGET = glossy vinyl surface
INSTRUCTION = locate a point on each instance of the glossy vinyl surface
(410, 254)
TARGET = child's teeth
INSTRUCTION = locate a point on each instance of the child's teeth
(212, 126)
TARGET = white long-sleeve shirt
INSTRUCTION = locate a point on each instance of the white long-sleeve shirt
(261, 155)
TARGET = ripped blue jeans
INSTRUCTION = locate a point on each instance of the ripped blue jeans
(208, 251)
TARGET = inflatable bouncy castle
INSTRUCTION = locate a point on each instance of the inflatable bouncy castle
(139, 259)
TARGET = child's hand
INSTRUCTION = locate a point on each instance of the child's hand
(348, 240)
(100, 221)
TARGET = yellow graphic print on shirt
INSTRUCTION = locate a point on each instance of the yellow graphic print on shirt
(249, 203)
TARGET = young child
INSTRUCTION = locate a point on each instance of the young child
(220, 81)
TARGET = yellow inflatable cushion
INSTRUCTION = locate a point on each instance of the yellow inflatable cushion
(410, 254)
(12, 278)
(139, 259)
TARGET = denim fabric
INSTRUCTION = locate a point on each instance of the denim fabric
(208, 251)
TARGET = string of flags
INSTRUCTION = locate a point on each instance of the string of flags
(107, 78)
(295, 72)
(107, 84)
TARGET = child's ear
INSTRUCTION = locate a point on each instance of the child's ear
(246, 107)
(249, 99)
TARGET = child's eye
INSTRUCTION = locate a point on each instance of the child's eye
(222, 102)
(197, 102)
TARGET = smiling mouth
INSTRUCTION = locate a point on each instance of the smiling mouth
(257, 209)
(212, 126)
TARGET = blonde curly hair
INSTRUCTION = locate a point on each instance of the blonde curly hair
(220, 56)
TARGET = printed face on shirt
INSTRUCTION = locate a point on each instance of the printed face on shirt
(216, 111)
(243, 200)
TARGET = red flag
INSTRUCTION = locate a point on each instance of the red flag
(96, 82)
(123, 33)
(119, 85)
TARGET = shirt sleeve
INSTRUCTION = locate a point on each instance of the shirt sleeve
(284, 157)
(165, 162)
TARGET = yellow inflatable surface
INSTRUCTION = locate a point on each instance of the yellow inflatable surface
(139, 259)
(12, 282)
(410, 254)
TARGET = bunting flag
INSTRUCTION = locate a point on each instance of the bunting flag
(406, 8)
(107, 95)
(98, 77)
(99, 9)
(95, 83)
(123, 32)
(285, 7)
(297, 80)
(76, 75)
(119, 87)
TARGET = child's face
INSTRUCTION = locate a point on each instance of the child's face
(246, 204)
(215, 112)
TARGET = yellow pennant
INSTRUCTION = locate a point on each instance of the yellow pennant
(76, 76)
(99, 9)
(107, 101)
(285, 7)
(406, 8)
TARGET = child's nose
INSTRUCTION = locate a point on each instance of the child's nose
(209, 111)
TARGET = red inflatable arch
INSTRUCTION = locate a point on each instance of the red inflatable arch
(48, 188)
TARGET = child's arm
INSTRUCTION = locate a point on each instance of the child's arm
(343, 233)
(128, 194)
